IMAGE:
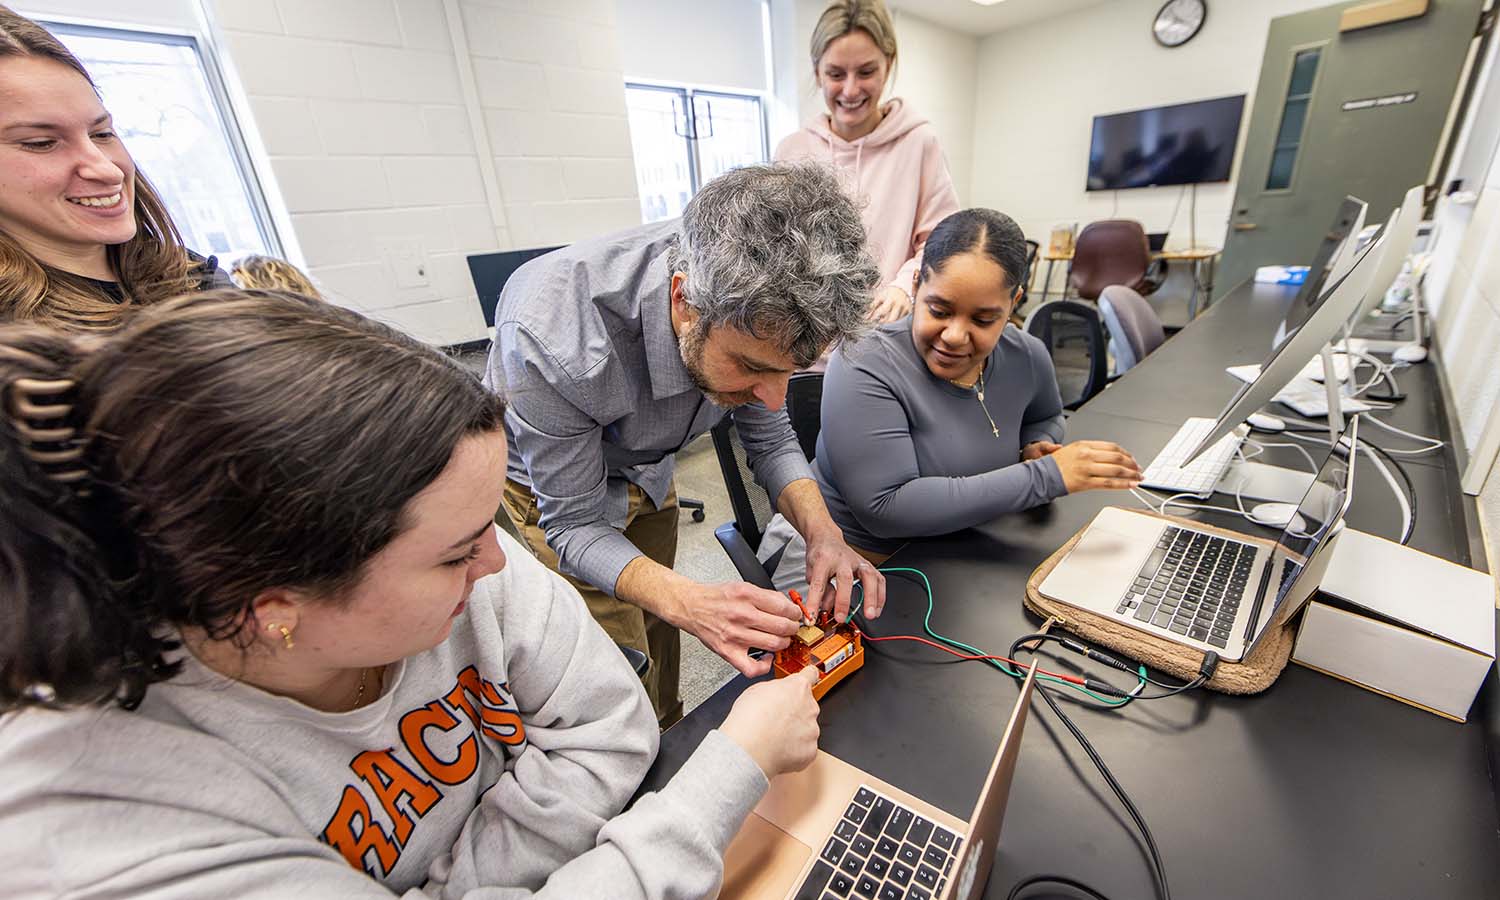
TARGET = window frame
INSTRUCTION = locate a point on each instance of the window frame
(688, 95)
(233, 131)
(1286, 99)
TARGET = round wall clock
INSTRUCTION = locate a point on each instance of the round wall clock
(1178, 20)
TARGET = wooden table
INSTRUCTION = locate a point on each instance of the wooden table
(1201, 257)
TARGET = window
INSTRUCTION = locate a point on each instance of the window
(683, 138)
(170, 111)
(1293, 118)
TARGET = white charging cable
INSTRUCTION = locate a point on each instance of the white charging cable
(1433, 444)
(1406, 519)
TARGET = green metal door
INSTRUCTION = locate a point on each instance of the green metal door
(1359, 112)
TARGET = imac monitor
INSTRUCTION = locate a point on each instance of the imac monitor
(1347, 221)
(1335, 257)
(1320, 326)
(1399, 233)
(1188, 143)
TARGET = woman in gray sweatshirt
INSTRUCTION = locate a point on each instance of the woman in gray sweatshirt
(262, 638)
(948, 418)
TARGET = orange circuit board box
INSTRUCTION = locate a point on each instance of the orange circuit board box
(834, 648)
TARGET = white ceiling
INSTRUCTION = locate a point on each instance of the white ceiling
(971, 18)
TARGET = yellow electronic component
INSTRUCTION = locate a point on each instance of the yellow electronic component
(809, 634)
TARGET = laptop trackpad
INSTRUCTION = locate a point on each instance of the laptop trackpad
(1103, 563)
(762, 862)
(789, 825)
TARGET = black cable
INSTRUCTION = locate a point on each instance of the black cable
(1394, 395)
(1411, 492)
(1205, 672)
(1063, 880)
(1095, 684)
(1193, 685)
(1158, 870)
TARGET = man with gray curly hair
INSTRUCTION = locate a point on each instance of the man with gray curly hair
(616, 352)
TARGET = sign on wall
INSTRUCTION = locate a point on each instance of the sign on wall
(1387, 100)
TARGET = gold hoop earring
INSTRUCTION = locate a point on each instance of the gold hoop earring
(286, 635)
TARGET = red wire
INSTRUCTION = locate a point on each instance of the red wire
(1072, 679)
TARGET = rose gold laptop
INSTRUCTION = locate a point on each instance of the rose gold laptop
(832, 830)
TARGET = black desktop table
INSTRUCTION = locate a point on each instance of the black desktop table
(1313, 789)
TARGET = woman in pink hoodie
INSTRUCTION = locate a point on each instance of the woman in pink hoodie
(887, 156)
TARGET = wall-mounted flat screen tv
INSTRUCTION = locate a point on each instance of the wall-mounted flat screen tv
(1189, 143)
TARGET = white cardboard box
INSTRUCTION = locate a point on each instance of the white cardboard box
(1410, 626)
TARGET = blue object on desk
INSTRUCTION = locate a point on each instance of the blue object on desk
(1281, 274)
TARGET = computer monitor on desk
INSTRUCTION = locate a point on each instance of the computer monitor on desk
(490, 271)
(1334, 253)
(1303, 336)
(1399, 235)
(1303, 343)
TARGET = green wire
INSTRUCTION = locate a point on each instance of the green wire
(927, 627)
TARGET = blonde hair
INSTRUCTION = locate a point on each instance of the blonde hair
(272, 274)
(844, 16)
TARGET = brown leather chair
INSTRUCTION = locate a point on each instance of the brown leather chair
(1113, 251)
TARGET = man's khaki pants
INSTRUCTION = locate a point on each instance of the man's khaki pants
(654, 532)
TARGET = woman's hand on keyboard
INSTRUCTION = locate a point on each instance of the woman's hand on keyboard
(776, 722)
(1096, 465)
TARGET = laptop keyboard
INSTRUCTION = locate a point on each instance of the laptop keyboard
(881, 850)
(1191, 586)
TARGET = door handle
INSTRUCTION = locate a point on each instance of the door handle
(1245, 226)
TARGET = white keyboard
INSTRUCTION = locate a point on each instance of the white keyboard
(1303, 395)
(1166, 472)
(1306, 398)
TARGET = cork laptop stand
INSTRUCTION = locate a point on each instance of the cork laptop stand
(1256, 672)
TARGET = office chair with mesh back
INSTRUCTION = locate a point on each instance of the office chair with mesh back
(1074, 337)
(1114, 251)
(740, 538)
(752, 508)
(1134, 328)
(804, 406)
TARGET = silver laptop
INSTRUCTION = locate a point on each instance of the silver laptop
(833, 830)
(1200, 588)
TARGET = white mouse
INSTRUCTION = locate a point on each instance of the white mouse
(1278, 515)
(1263, 422)
(1410, 353)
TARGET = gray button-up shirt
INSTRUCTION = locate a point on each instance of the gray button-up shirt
(598, 395)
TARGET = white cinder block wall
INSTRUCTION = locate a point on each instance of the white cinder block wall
(359, 105)
(1467, 326)
(935, 73)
